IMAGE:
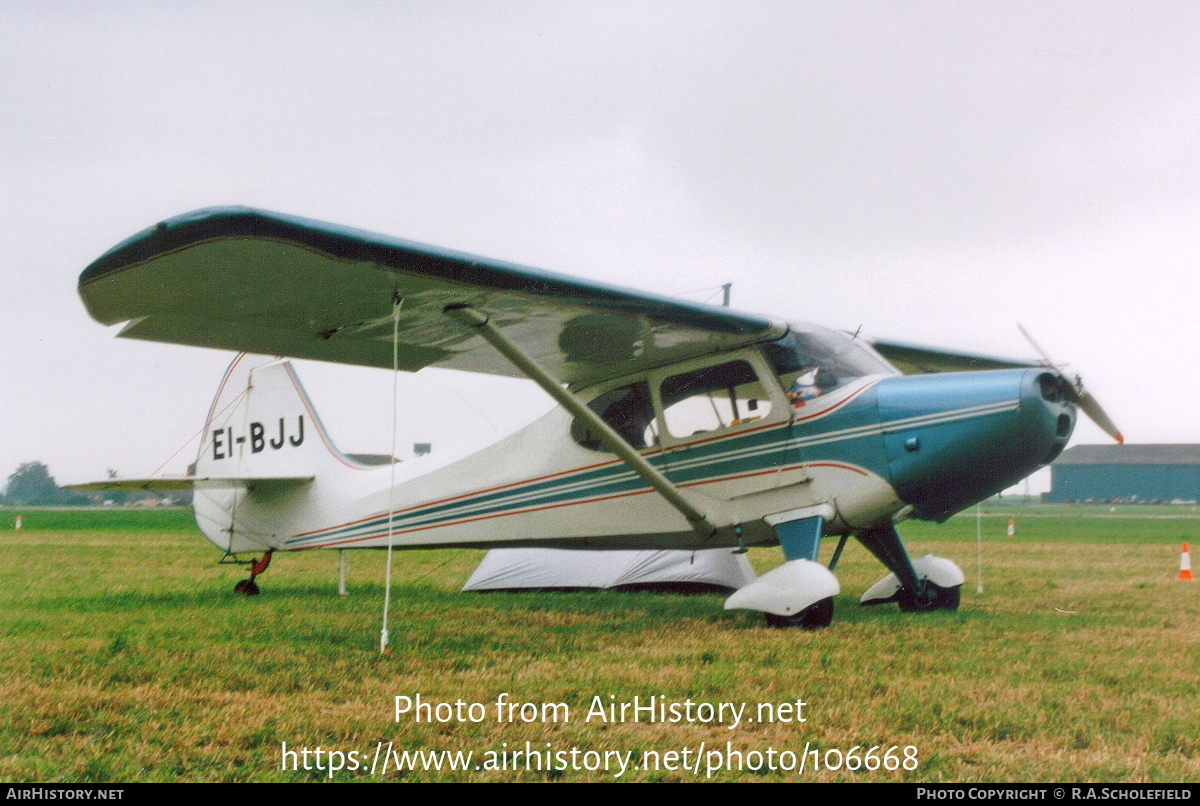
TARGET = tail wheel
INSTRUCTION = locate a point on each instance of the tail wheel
(813, 617)
(249, 586)
(246, 586)
(935, 598)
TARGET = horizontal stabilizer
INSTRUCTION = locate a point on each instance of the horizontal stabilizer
(177, 484)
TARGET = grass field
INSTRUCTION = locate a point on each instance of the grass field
(126, 656)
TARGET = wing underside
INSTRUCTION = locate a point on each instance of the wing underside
(913, 359)
(248, 280)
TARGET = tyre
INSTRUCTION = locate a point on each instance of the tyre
(246, 586)
(813, 617)
(935, 598)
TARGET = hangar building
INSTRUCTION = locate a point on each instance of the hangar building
(1141, 473)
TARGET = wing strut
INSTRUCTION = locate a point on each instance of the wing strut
(478, 321)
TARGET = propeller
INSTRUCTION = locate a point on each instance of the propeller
(1082, 397)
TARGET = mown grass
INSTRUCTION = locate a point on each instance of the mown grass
(155, 520)
(126, 656)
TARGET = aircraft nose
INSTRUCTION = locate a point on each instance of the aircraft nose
(956, 438)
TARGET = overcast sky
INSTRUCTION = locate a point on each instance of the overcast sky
(934, 172)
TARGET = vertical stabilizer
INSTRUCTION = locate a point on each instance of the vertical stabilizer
(260, 428)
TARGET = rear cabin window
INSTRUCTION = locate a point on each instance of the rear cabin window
(628, 410)
(713, 398)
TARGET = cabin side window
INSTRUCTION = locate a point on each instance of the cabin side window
(628, 410)
(713, 398)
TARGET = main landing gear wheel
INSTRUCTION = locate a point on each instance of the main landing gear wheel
(919, 586)
(814, 617)
(798, 593)
(934, 597)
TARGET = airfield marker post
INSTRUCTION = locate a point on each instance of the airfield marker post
(979, 547)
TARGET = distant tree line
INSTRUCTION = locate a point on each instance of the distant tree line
(32, 485)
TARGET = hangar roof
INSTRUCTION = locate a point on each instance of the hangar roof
(1130, 455)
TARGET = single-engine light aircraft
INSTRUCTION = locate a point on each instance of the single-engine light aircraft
(679, 425)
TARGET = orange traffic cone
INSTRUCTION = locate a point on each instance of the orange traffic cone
(1012, 531)
(1185, 564)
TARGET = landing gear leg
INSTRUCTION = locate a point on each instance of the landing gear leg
(248, 586)
(918, 586)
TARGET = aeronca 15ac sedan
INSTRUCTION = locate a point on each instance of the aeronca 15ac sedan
(679, 425)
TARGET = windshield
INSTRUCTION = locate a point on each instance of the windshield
(820, 359)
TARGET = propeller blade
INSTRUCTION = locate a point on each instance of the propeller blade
(1045, 356)
(1083, 398)
(1092, 409)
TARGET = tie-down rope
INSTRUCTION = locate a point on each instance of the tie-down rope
(397, 301)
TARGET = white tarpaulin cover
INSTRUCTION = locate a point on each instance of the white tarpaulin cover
(509, 569)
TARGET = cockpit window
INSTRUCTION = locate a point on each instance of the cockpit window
(628, 410)
(811, 361)
(713, 398)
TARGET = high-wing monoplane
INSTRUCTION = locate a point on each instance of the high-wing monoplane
(679, 425)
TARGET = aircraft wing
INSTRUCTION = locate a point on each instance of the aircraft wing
(241, 279)
(914, 359)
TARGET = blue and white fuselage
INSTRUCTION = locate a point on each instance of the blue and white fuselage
(876, 449)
